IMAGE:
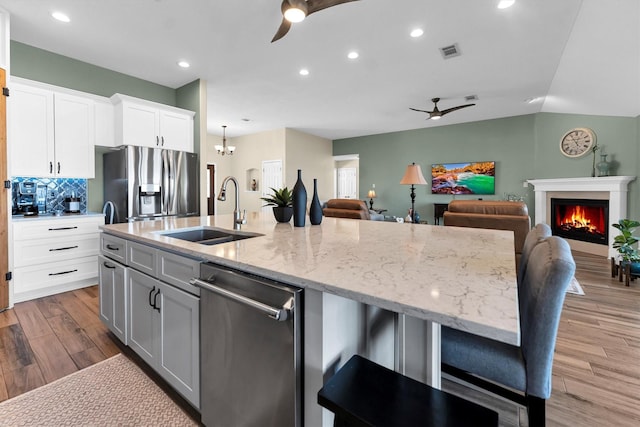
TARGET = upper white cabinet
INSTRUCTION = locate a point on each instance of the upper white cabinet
(149, 124)
(51, 134)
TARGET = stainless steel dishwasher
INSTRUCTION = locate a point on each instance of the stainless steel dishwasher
(250, 350)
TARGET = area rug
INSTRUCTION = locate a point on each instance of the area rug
(114, 392)
(575, 288)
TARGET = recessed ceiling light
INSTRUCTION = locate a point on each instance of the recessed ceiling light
(505, 4)
(60, 17)
(304, 72)
(533, 100)
(417, 32)
(353, 55)
(184, 64)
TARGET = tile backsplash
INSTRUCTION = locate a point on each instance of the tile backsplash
(52, 192)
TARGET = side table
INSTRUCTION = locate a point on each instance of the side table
(438, 211)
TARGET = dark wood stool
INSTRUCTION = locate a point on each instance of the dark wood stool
(363, 393)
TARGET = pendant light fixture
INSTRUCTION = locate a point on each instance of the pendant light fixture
(224, 148)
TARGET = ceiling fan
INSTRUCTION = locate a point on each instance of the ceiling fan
(296, 10)
(436, 114)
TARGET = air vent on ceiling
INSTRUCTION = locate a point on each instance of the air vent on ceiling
(450, 51)
(471, 98)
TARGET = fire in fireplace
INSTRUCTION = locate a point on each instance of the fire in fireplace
(581, 219)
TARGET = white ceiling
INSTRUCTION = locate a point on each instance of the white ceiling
(582, 55)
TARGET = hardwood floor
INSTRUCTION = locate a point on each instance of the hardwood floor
(596, 372)
(45, 339)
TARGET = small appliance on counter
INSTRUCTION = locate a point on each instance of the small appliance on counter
(72, 204)
(24, 198)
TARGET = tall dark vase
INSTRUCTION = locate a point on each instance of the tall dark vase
(299, 202)
(315, 210)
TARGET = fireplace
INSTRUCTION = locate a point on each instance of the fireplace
(612, 188)
(580, 219)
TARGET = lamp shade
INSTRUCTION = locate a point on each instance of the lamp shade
(371, 194)
(413, 176)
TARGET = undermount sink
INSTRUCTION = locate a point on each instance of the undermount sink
(208, 235)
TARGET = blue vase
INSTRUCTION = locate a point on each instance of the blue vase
(315, 210)
(299, 202)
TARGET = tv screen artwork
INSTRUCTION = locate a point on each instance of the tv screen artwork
(463, 178)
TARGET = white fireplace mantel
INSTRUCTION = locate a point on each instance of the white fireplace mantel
(616, 186)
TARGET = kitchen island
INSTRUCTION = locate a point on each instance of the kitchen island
(459, 277)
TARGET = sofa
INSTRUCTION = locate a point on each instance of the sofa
(495, 214)
(349, 208)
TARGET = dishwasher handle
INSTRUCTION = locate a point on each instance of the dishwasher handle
(279, 314)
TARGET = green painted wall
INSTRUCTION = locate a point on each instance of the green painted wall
(188, 97)
(37, 64)
(524, 147)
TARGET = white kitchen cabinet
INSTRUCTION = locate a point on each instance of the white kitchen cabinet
(113, 296)
(150, 124)
(51, 134)
(53, 255)
(164, 328)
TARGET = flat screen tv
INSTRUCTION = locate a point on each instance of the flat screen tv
(463, 178)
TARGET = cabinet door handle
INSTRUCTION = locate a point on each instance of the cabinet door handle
(155, 298)
(63, 272)
(63, 228)
(63, 249)
(58, 167)
(106, 264)
(150, 293)
(113, 248)
(157, 140)
(162, 139)
(50, 167)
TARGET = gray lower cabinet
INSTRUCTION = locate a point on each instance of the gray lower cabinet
(113, 296)
(164, 330)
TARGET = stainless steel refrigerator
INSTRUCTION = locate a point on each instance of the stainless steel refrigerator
(149, 183)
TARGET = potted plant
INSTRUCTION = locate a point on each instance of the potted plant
(282, 202)
(625, 244)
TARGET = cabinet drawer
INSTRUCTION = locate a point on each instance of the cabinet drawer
(178, 270)
(33, 252)
(41, 276)
(55, 228)
(143, 258)
(113, 247)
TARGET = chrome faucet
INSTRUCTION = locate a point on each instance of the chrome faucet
(238, 219)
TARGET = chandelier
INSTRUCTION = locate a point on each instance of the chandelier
(224, 148)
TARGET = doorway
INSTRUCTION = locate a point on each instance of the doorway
(4, 208)
(271, 177)
(347, 183)
(211, 185)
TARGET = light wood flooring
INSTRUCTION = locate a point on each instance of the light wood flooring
(596, 373)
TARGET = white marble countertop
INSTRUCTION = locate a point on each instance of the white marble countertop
(459, 277)
(48, 216)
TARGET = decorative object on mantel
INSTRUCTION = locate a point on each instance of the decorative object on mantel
(224, 148)
(299, 202)
(315, 210)
(282, 202)
(371, 195)
(413, 176)
(603, 165)
(593, 166)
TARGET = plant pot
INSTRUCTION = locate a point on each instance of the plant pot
(283, 213)
(635, 267)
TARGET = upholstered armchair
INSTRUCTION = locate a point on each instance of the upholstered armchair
(495, 214)
(527, 368)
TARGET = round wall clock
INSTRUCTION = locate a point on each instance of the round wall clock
(577, 142)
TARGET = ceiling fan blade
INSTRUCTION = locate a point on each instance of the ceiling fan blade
(284, 29)
(316, 5)
(422, 111)
(448, 110)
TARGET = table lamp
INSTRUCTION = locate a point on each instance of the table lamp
(413, 176)
(371, 195)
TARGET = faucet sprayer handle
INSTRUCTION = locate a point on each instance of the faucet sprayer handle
(244, 217)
